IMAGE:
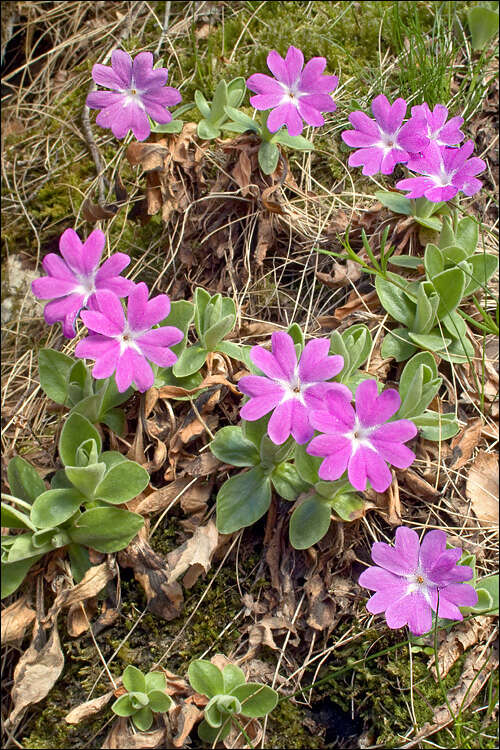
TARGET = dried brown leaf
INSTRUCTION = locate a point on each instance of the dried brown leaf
(465, 442)
(342, 275)
(92, 212)
(482, 488)
(356, 303)
(159, 499)
(88, 709)
(182, 720)
(37, 671)
(194, 556)
(457, 641)
(79, 616)
(149, 155)
(91, 584)
(242, 172)
(15, 619)
(123, 737)
(322, 606)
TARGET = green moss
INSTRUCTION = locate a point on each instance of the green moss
(286, 728)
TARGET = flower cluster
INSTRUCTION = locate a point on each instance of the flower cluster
(78, 286)
(412, 579)
(302, 398)
(427, 143)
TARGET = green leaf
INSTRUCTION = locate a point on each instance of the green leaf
(232, 677)
(111, 395)
(432, 222)
(287, 482)
(236, 91)
(180, 316)
(467, 234)
(450, 286)
(190, 361)
(23, 549)
(54, 507)
(54, 369)
(217, 332)
(483, 25)
(202, 103)
(256, 700)
(209, 734)
(219, 707)
(488, 584)
(205, 678)
(13, 574)
(159, 701)
(24, 482)
(272, 454)
(77, 429)
(232, 447)
(433, 261)
(115, 420)
(106, 529)
(123, 706)
(241, 119)
(242, 500)
(294, 141)
(406, 261)
(219, 101)
(309, 523)
(86, 478)
(347, 505)
(297, 335)
(53, 536)
(307, 466)
(235, 351)
(156, 681)
(143, 719)
(435, 426)
(268, 157)
(174, 126)
(397, 344)
(458, 351)
(134, 680)
(80, 562)
(12, 518)
(395, 201)
(435, 342)
(395, 301)
(358, 342)
(483, 268)
(122, 483)
(256, 429)
(455, 325)
(425, 316)
(413, 367)
(206, 131)
(453, 255)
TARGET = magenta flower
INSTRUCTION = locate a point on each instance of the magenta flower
(409, 577)
(138, 91)
(438, 130)
(124, 346)
(446, 171)
(293, 94)
(384, 142)
(290, 388)
(74, 283)
(359, 441)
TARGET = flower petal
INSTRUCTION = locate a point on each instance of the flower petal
(71, 249)
(48, 287)
(301, 428)
(256, 385)
(280, 424)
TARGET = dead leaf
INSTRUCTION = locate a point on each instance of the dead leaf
(194, 500)
(389, 500)
(265, 238)
(242, 172)
(173, 391)
(356, 303)
(91, 584)
(464, 443)
(159, 499)
(322, 606)
(202, 31)
(151, 570)
(149, 155)
(342, 275)
(36, 672)
(482, 488)
(417, 485)
(88, 709)
(236, 739)
(457, 641)
(79, 616)
(92, 212)
(194, 555)
(201, 466)
(15, 619)
(183, 717)
(123, 737)
(261, 634)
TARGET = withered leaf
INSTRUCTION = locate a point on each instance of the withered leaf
(357, 302)
(482, 488)
(195, 555)
(37, 671)
(242, 172)
(92, 212)
(123, 737)
(465, 442)
(151, 570)
(88, 709)
(91, 584)
(149, 155)
(15, 619)
(322, 606)
(342, 275)
(182, 719)
(159, 499)
(457, 641)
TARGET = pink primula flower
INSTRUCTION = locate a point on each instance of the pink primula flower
(384, 142)
(76, 281)
(410, 576)
(359, 441)
(293, 94)
(438, 130)
(124, 346)
(138, 90)
(290, 389)
(446, 171)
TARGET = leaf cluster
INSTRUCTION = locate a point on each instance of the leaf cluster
(145, 696)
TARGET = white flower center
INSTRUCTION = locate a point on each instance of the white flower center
(291, 93)
(420, 584)
(127, 341)
(132, 95)
(359, 436)
(86, 285)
